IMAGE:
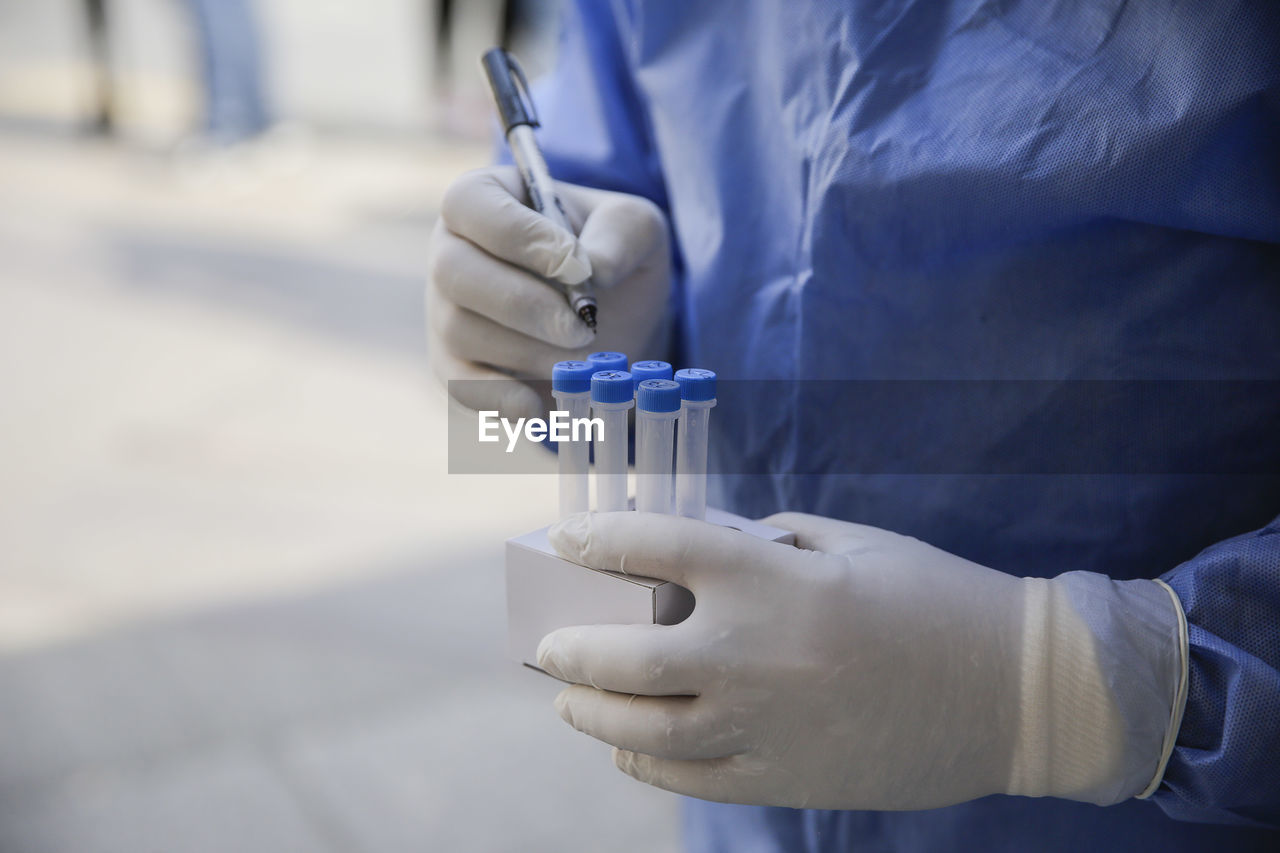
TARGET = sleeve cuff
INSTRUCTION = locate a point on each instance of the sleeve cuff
(1179, 699)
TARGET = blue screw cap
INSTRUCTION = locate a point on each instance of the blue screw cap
(643, 370)
(572, 377)
(658, 395)
(609, 361)
(696, 384)
(611, 386)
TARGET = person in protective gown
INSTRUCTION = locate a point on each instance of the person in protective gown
(993, 292)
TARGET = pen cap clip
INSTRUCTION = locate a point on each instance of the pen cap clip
(510, 89)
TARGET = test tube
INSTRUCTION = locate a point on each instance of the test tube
(611, 396)
(657, 407)
(642, 370)
(609, 361)
(698, 396)
(571, 386)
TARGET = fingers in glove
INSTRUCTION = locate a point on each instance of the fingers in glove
(486, 207)
(486, 388)
(717, 779)
(816, 533)
(485, 285)
(675, 727)
(470, 337)
(667, 547)
(652, 660)
(621, 234)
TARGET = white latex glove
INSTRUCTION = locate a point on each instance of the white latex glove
(868, 670)
(491, 307)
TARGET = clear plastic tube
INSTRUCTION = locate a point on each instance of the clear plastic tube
(655, 438)
(574, 455)
(691, 458)
(611, 456)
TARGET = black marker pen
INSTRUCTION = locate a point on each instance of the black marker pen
(518, 123)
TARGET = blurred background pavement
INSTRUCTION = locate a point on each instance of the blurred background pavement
(243, 605)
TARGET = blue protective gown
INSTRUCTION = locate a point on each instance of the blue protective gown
(978, 190)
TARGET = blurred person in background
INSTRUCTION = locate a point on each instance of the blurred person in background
(231, 67)
(96, 25)
(230, 58)
(240, 142)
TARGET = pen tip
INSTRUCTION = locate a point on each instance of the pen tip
(588, 315)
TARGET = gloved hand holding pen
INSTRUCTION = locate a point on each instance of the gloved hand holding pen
(491, 305)
(868, 670)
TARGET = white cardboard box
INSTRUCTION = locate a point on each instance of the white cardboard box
(546, 592)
